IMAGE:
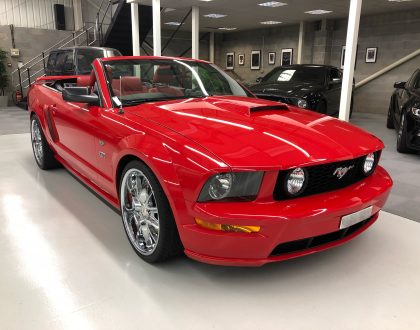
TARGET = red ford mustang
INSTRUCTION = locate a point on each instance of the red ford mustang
(197, 163)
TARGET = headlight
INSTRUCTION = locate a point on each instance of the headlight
(415, 111)
(296, 181)
(301, 103)
(231, 185)
(369, 163)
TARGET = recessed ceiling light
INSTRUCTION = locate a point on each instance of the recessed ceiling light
(215, 15)
(318, 12)
(270, 22)
(272, 4)
(167, 10)
(399, 0)
(227, 28)
(205, 0)
(174, 23)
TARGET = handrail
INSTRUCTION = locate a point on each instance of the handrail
(55, 46)
(74, 37)
(388, 68)
(44, 54)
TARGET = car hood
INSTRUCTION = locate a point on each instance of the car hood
(254, 133)
(285, 89)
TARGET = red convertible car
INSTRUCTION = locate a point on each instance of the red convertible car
(197, 164)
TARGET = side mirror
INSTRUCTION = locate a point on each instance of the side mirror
(258, 80)
(335, 81)
(80, 95)
(399, 85)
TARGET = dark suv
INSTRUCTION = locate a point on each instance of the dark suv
(75, 60)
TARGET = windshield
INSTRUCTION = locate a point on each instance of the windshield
(296, 74)
(136, 80)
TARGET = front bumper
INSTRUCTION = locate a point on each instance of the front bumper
(280, 221)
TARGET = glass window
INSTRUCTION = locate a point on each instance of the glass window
(51, 62)
(335, 74)
(62, 58)
(296, 74)
(135, 81)
(414, 82)
(85, 57)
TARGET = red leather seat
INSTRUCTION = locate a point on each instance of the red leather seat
(84, 81)
(132, 85)
(165, 75)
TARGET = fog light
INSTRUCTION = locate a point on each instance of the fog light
(369, 163)
(295, 181)
(301, 103)
(227, 228)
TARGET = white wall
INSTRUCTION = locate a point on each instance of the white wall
(34, 13)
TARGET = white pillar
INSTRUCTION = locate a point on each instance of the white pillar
(157, 40)
(77, 12)
(135, 32)
(300, 43)
(350, 58)
(211, 47)
(195, 49)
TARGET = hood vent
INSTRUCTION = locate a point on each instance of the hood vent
(269, 108)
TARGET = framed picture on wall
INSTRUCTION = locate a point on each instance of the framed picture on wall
(287, 56)
(371, 54)
(343, 56)
(230, 61)
(272, 58)
(255, 60)
(241, 59)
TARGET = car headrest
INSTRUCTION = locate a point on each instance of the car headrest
(164, 74)
(129, 83)
(83, 81)
(92, 79)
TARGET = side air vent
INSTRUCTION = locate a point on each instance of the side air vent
(281, 107)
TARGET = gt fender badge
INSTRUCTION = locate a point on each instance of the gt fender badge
(342, 171)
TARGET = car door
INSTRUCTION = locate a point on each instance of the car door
(74, 124)
(333, 93)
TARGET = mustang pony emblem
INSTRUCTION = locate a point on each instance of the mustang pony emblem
(342, 171)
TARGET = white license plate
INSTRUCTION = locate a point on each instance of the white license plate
(356, 217)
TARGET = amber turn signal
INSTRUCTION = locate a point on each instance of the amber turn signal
(227, 228)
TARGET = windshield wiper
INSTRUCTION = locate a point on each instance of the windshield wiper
(157, 99)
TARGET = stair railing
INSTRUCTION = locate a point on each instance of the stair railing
(25, 72)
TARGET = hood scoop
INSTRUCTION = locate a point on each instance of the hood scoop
(278, 107)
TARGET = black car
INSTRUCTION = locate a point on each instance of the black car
(314, 87)
(404, 113)
(76, 60)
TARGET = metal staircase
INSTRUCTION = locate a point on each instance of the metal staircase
(26, 74)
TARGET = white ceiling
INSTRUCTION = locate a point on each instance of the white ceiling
(246, 14)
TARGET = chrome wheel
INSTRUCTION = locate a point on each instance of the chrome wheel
(36, 137)
(139, 211)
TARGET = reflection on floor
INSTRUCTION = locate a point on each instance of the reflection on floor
(404, 168)
(66, 263)
(13, 120)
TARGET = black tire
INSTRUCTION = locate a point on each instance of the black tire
(402, 136)
(321, 107)
(389, 119)
(43, 154)
(168, 243)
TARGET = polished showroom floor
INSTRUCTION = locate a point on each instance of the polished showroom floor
(66, 264)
